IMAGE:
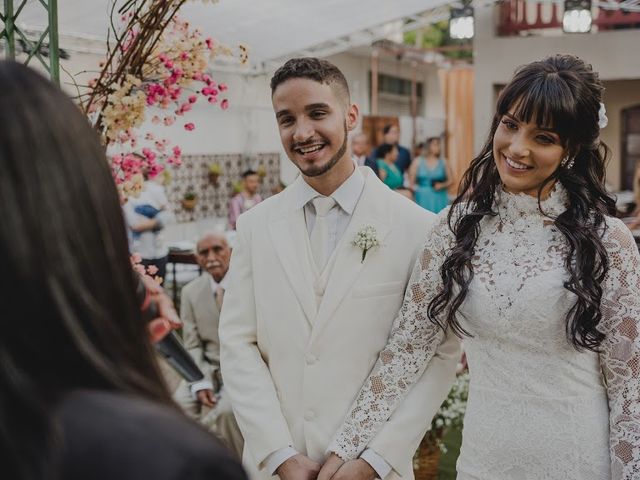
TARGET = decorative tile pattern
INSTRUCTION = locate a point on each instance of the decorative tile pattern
(213, 199)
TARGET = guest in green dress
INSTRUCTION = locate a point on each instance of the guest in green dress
(430, 176)
(389, 173)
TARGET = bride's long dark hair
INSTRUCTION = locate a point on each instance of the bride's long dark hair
(565, 93)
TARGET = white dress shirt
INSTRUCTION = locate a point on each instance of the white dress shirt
(205, 384)
(346, 197)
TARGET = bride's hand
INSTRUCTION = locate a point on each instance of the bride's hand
(330, 467)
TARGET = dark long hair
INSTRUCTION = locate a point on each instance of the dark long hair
(563, 92)
(69, 317)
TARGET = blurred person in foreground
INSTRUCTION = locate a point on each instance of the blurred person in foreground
(82, 396)
(245, 199)
(200, 305)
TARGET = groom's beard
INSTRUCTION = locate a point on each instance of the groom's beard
(316, 171)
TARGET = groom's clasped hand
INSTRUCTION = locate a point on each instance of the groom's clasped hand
(300, 467)
(334, 468)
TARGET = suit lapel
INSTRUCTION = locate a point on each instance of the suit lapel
(288, 231)
(370, 210)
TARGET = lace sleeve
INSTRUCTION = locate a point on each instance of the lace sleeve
(620, 355)
(412, 343)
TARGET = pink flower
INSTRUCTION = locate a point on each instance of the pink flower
(209, 42)
(168, 121)
(213, 100)
(155, 120)
(152, 269)
(225, 104)
(149, 154)
(222, 87)
(176, 151)
(159, 146)
(189, 126)
(149, 136)
(155, 170)
(193, 99)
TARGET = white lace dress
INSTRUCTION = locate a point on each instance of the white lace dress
(538, 408)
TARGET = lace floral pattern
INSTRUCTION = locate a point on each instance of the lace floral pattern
(413, 341)
(537, 407)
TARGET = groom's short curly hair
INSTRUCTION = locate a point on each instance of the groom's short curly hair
(315, 69)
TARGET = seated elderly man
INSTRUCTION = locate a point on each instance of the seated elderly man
(200, 306)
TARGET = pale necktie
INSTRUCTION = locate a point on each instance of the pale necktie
(219, 296)
(320, 234)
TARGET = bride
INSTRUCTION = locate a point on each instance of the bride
(544, 284)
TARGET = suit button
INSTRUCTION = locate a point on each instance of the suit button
(309, 415)
(311, 359)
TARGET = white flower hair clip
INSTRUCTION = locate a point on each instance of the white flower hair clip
(603, 121)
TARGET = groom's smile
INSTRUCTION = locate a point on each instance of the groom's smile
(312, 121)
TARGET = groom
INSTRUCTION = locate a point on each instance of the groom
(308, 307)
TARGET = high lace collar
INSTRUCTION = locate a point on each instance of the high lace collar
(513, 206)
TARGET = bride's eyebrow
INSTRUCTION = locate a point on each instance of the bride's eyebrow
(512, 117)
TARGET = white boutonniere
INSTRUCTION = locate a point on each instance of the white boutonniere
(366, 239)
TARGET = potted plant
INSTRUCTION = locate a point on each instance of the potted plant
(189, 200)
(214, 173)
(450, 415)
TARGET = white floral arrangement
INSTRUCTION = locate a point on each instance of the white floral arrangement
(366, 239)
(603, 121)
(452, 410)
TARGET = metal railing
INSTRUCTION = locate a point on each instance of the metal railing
(47, 52)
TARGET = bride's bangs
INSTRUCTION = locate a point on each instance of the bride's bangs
(545, 100)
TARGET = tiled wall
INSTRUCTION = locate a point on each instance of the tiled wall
(213, 200)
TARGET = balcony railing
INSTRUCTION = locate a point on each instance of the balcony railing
(521, 17)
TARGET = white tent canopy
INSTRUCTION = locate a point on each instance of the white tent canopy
(271, 29)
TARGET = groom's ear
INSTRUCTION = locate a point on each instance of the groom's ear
(353, 114)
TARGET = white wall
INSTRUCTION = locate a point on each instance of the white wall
(614, 54)
(431, 114)
(248, 126)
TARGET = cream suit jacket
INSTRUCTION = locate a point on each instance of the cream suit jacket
(200, 316)
(291, 369)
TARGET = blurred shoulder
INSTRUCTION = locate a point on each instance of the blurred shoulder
(113, 435)
(195, 285)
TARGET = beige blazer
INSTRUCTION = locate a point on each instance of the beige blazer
(291, 369)
(200, 317)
